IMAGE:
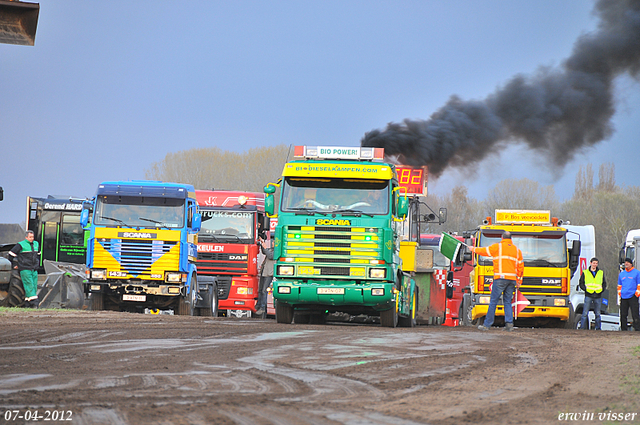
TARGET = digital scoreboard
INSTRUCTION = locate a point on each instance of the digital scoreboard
(412, 179)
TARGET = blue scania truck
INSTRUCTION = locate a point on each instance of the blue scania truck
(142, 249)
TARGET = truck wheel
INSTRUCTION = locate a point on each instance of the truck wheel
(578, 320)
(284, 312)
(15, 295)
(186, 304)
(410, 320)
(301, 318)
(389, 318)
(571, 321)
(318, 319)
(97, 301)
(466, 310)
(212, 310)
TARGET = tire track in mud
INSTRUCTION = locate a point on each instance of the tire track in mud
(228, 371)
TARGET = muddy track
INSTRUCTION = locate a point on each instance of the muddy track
(121, 368)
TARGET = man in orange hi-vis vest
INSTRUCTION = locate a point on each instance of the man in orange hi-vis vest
(508, 268)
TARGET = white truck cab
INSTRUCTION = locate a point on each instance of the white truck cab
(587, 236)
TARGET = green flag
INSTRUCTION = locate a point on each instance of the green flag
(449, 246)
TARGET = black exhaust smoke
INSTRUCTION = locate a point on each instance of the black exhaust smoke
(557, 111)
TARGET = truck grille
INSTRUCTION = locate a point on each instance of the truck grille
(219, 263)
(539, 285)
(136, 256)
(317, 251)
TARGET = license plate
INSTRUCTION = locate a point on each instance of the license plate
(139, 298)
(331, 291)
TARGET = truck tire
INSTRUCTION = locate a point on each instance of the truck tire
(97, 301)
(212, 310)
(318, 319)
(466, 310)
(15, 295)
(284, 312)
(410, 320)
(301, 318)
(389, 318)
(571, 321)
(578, 320)
(186, 304)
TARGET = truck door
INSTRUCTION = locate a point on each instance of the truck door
(49, 243)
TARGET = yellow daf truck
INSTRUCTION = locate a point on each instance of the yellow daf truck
(549, 265)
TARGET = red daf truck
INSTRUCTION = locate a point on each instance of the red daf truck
(232, 221)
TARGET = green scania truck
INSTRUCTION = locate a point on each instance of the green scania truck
(337, 244)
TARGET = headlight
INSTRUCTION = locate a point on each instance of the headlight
(243, 290)
(98, 274)
(485, 300)
(377, 291)
(172, 277)
(559, 302)
(174, 289)
(377, 273)
(285, 270)
(95, 287)
(284, 289)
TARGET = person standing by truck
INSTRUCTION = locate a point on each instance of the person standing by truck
(25, 257)
(593, 283)
(508, 269)
(266, 276)
(629, 291)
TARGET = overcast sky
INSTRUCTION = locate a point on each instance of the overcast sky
(111, 87)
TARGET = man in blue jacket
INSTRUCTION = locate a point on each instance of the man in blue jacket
(629, 292)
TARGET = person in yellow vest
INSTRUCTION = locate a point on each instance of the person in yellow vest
(593, 283)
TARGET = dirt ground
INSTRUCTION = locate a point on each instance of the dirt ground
(123, 368)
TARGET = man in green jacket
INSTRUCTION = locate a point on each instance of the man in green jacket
(25, 257)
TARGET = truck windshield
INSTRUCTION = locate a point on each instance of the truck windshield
(227, 226)
(538, 250)
(137, 211)
(343, 196)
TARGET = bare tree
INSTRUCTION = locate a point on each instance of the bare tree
(214, 168)
(584, 182)
(463, 212)
(607, 177)
(524, 194)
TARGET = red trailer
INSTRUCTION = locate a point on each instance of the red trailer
(458, 279)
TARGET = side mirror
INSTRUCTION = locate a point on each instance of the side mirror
(403, 207)
(84, 217)
(622, 256)
(449, 290)
(266, 224)
(574, 259)
(197, 222)
(271, 189)
(442, 215)
(576, 247)
(269, 201)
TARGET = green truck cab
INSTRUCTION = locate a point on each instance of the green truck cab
(337, 243)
